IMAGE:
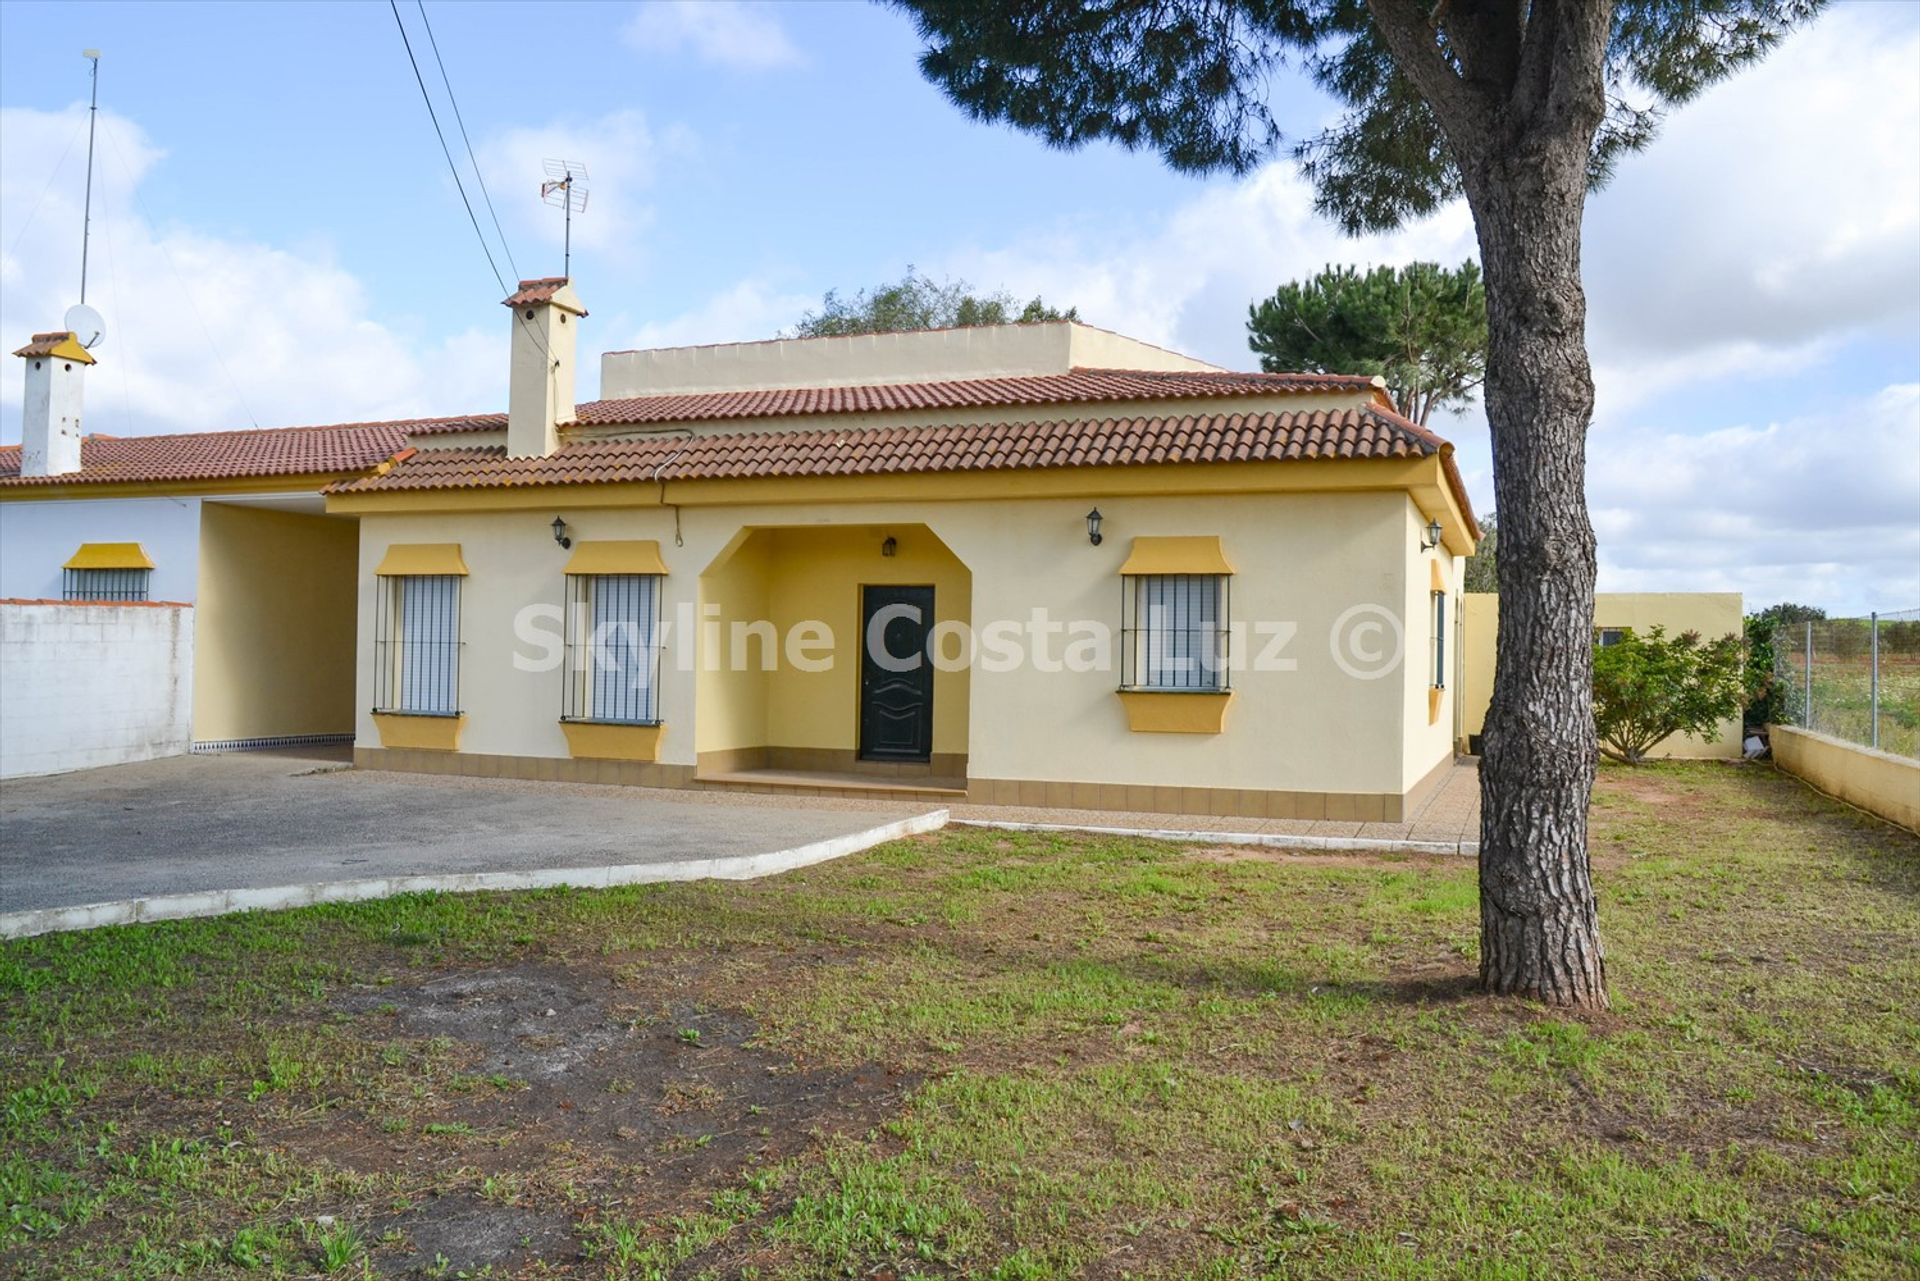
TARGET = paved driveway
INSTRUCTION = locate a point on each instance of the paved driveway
(194, 824)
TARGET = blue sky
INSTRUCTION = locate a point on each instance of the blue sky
(277, 239)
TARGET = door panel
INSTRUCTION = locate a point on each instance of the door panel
(896, 677)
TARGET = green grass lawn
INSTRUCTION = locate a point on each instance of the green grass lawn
(997, 1055)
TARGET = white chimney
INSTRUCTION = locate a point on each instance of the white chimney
(50, 428)
(546, 319)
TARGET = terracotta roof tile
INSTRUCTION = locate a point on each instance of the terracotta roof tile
(224, 455)
(532, 291)
(43, 344)
(1079, 386)
(1251, 437)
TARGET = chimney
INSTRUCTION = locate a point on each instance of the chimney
(50, 427)
(546, 316)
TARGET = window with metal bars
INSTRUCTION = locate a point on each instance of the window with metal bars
(106, 584)
(1439, 640)
(1174, 633)
(416, 643)
(613, 649)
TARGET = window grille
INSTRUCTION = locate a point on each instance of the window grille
(1174, 633)
(1439, 640)
(106, 584)
(613, 649)
(417, 644)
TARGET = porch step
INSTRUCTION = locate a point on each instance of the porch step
(880, 787)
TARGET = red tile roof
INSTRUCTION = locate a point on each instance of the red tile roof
(1079, 386)
(228, 455)
(532, 291)
(1282, 436)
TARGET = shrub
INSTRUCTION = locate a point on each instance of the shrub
(1650, 687)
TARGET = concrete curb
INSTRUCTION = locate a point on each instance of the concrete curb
(172, 907)
(1272, 840)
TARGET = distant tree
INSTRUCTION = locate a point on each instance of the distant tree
(1788, 612)
(917, 301)
(1483, 567)
(1769, 702)
(1421, 327)
(1650, 687)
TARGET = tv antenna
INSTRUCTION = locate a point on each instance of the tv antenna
(566, 188)
(86, 218)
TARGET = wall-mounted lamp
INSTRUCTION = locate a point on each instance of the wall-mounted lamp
(1432, 540)
(560, 532)
(1093, 526)
(890, 546)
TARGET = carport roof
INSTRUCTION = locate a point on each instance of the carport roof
(235, 455)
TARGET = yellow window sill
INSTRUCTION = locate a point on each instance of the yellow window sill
(424, 733)
(1176, 711)
(600, 742)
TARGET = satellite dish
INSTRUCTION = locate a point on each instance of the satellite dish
(84, 323)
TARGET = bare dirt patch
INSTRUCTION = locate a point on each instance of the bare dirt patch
(460, 1235)
(578, 1059)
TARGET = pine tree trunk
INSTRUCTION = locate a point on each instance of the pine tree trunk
(1539, 932)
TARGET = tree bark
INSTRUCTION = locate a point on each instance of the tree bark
(1539, 928)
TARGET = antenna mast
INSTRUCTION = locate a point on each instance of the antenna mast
(86, 222)
(566, 188)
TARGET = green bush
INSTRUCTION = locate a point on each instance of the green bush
(1650, 687)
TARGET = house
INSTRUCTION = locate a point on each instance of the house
(1028, 564)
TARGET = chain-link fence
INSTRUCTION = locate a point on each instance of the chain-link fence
(1853, 678)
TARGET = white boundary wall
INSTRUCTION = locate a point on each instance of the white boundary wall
(89, 685)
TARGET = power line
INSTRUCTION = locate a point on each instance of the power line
(445, 150)
(460, 186)
(58, 165)
(458, 120)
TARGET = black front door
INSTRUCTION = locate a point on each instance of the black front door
(896, 677)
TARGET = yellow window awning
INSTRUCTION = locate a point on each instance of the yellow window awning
(629, 556)
(109, 556)
(421, 558)
(1199, 554)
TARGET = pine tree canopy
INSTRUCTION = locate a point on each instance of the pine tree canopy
(1189, 79)
(1420, 327)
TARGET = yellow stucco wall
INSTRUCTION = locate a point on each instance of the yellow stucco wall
(1428, 715)
(817, 574)
(1301, 560)
(1877, 782)
(1712, 614)
(274, 637)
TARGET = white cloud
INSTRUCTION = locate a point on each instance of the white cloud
(746, 37)
(1822, 508)
(747, 310)
(1187, 282)
(622, 153)
(1779, 213)
(204, 333)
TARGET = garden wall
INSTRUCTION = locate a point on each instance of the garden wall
(92, 684)
(1878, 782)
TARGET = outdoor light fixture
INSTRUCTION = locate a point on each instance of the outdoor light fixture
(1093, 526)
(1432, 539)
(560, 532)
(890, 546)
